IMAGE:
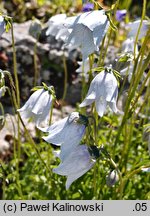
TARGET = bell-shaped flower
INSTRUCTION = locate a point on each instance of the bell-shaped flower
(55, 23)
(38, 106)
(103, 91)
(58, 26)
(2, 25)
(133, 29)
(75, 164)
(88, 31)
(88, 7)
(67, 132)
(120, 15)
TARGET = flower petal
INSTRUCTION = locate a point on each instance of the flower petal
(100, 106)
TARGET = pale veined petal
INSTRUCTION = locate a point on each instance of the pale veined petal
(42, 102)
(76, 133)
(101, 104)
(87, 46)
(93, 19)
(71, 178)
(86, 102)
(99, 33)
(32, 100)
(75, 37)
(56, 127)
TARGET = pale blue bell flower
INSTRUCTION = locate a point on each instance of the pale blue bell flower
(66, 133)
(120, 15)
(2, 25)
(103, 91)
(55, 23)
(37, 107)
(88, 30)
(133, 29)
(75, 164)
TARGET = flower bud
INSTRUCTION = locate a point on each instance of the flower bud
(35, 28)
(112, 178)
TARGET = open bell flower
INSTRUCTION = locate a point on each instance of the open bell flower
(88, 30)
(37, 106)
(77, 163)
(103, 91)
(2, 25)
(133, 28)
(55, 23)
(66, 133)
(120, 15)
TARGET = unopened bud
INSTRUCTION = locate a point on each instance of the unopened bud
(112, 178)
(35, 28)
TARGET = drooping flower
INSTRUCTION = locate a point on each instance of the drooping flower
(103, 91)
(67, 132)
(120, 15)
(2, 25)
(88, 31)
(133, 29)
(55, 23)
(75, 164)
(88, 7)
(58, 26)
(38, 106)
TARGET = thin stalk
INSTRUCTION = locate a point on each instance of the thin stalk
(36, 72)
(65, 77)
(33, 143)
(101, 51)
(132, 91)
(121, 187)
(138, 32)
(15, 67)
(105, 53)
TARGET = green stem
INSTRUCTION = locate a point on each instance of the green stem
(65, 77)
(138, 32)
(15, 67)
(101, 52)
(28, 136)
(133, 86)
(120, 178)
(36, 72)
